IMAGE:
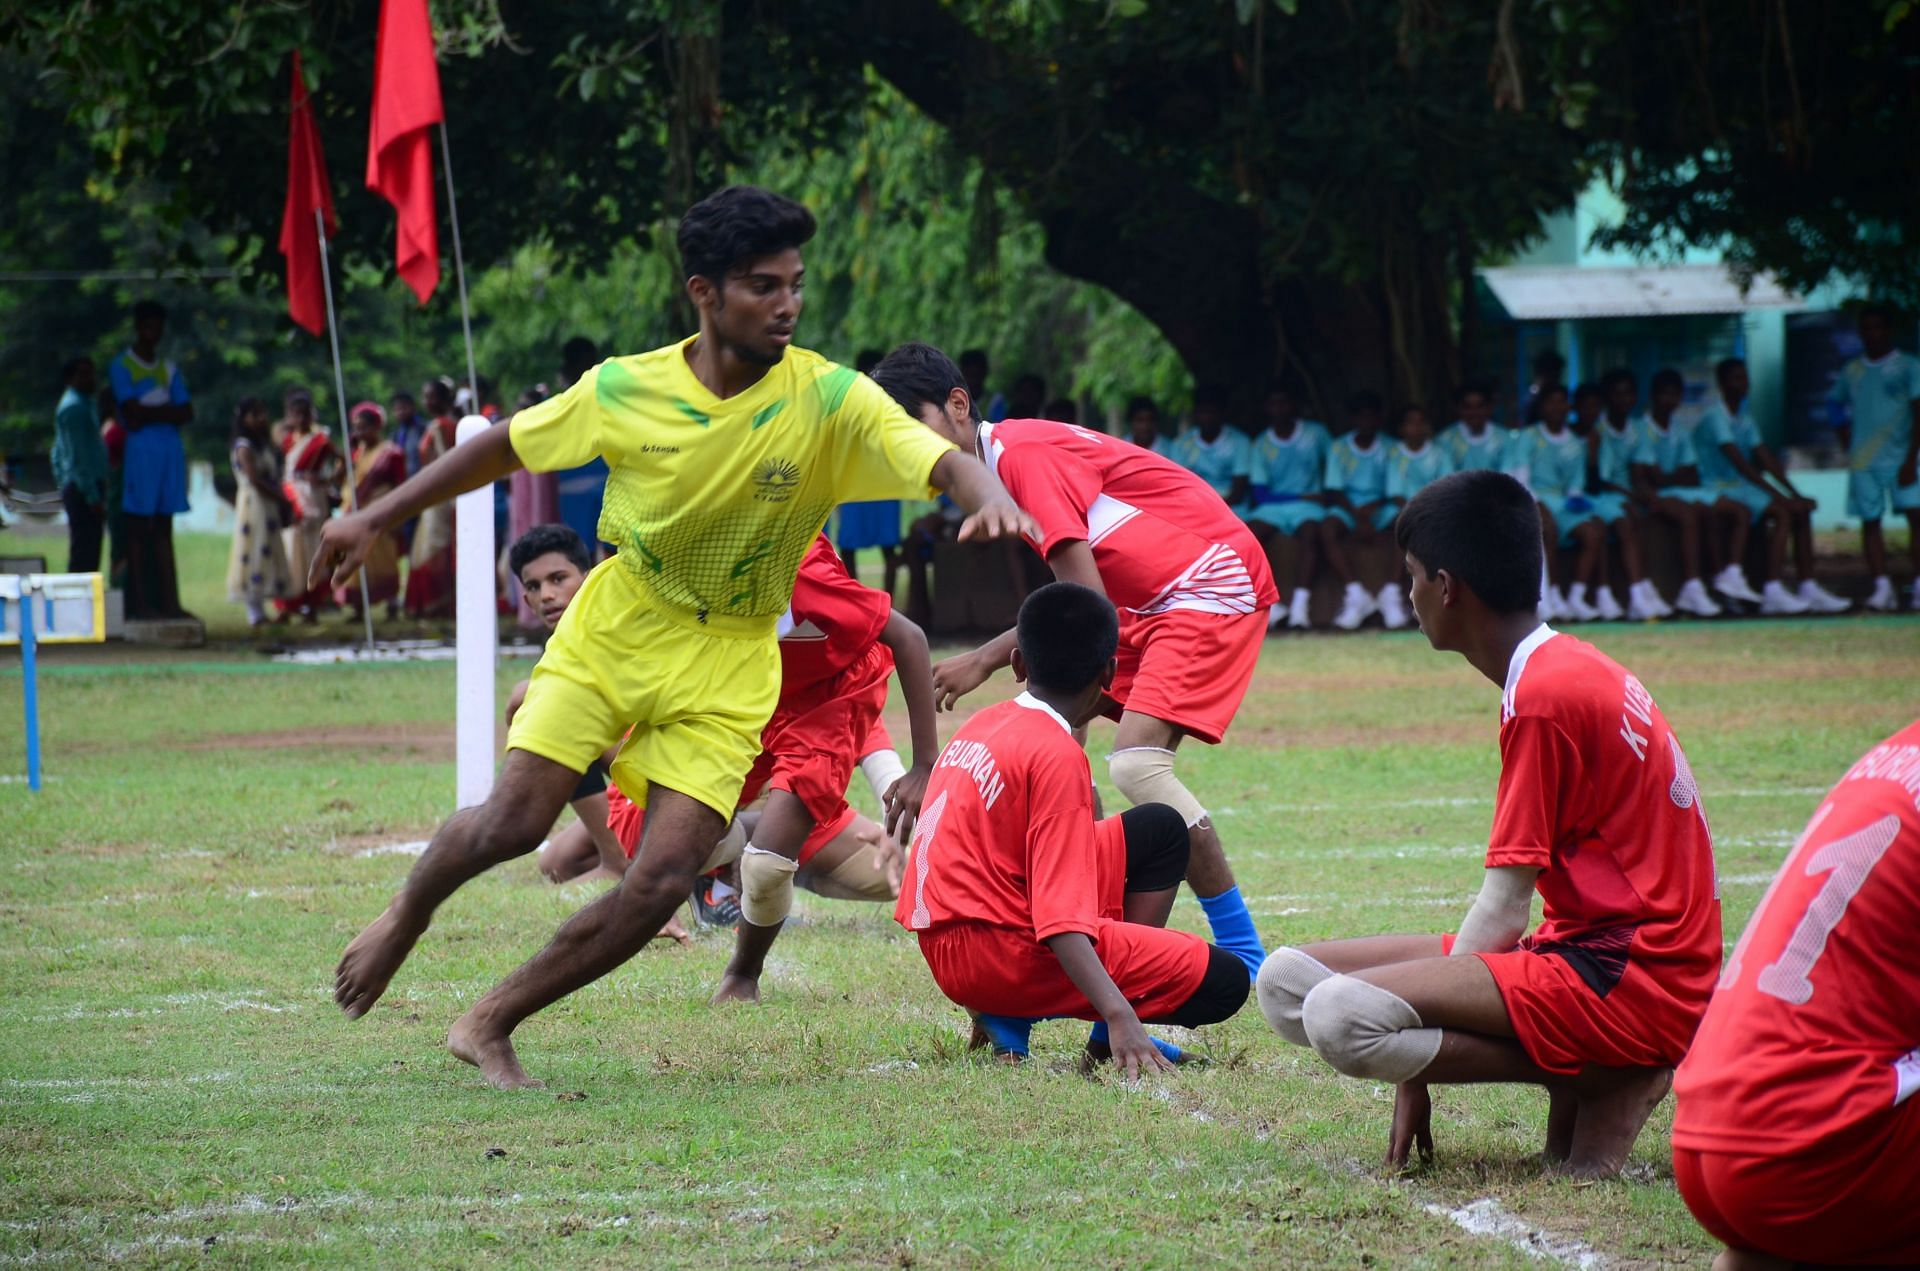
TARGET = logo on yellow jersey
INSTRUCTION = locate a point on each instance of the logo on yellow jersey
(775, 480)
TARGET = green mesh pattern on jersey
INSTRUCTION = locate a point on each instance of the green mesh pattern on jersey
(833, 388)
(741, 565)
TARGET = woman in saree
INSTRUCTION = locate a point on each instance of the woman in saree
(257, 572)
(378, 465)
(430, 564)
(313, 472)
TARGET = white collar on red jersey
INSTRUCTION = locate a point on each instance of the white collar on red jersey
(1524, 650)
(1033, 703)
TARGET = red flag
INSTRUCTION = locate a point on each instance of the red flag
(307, 192)
(406, 105)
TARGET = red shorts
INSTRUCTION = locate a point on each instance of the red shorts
(809, 749)
(1564, 1024)
(1855, 1202)
(878, 739)
(1001, 971)
(1188, 668)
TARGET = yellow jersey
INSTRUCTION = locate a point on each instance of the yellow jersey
(712, 502)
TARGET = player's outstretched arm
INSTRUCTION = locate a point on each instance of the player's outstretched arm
(914, 666)
(346, 540)
(991, 511)
(1133, 1050)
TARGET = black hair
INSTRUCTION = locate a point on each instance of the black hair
(1484, 529)
(402, 396)
(1724, 367)
(1469, 387)
(1549, 360)
(1064, 409)
(1618, 375)
(1366, 400)
(542, 539)
(144, 309)
(72, 365)
(293, 395)
(1873, 309)
(866, 359)
(1067, 635)
(1665, 377)
(974, 357)
(1140, 402)
(244, 407)
(1406, 408)
(578, 355)
(1585, 390)
(1559, 390)
(1210, 395)
(916, 375)
(738, 224)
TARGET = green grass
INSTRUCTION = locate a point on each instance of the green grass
(175, 1082)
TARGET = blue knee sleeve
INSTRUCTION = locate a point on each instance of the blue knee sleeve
(1008, 1032)
(1233, 929)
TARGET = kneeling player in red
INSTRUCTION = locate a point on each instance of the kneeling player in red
(1188, 578)
(839, 641)
(1797, 1135)
(1025, 906)
(1596, 809)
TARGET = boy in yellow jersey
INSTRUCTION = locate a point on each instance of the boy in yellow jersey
(727, 451)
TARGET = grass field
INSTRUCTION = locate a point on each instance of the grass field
(176, 1086)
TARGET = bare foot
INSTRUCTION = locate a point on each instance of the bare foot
(371, 960)
(490, 1052)
(1562, 1106)
(1609, 1120)
(736, 988)
(674, 931)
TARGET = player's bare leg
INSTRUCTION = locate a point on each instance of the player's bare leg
(875, 859)
(1563, 1108)
(1207, 870)
(526, 798)
(678, 836)
(782, 829)
(570, 856)
(1613, 1106)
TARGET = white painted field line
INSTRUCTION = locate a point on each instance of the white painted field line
(1488, 1217)
(413, 848)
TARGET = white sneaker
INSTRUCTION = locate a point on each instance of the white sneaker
(1393, 607)
(1609, 604)
(1776, 599)
(1820, 600)
(1884, 599)
(1693, 599)
(1355, 608)
(1732, 581)
(1651, 599)
(1577, 607)
(1297, 612)
(1638, 610)
(1275, 616)
(1553, 605)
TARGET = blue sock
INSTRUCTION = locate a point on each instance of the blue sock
(1233, 928)
(1172, 1052)
(1008, 1032)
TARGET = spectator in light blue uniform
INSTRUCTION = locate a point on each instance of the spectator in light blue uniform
(1217, 453)
(1665, 478)
(1357, 505)
(1289, 472)
(1876, 403)
(1143, 427)
(154, 404)
(1554, 459)
(871, 522)
(1734, 461)
(1613, 447)
(1473, 441)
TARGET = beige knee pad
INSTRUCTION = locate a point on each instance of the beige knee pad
(859, 877)
(1285, 979)
(766, 886)
(1144, 774)
(1366, 1031)
(727, 850)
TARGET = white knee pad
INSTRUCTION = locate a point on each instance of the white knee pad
(882, 769)
(766, 886)
(1285, 979)
(1365, 1031)
(1144, 774)
(728, 849)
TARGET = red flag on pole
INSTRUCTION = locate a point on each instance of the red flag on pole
(406, 105)
(307, 192)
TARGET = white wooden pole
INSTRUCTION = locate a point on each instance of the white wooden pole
(476, 633)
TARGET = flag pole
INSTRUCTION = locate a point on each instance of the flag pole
(340, 396)
(460, 272)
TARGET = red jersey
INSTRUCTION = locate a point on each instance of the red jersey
(1006, 834)
(1596, 793)
(1161, 537)
(1814, 1029)
(831, 622)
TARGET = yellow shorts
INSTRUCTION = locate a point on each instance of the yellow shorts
(695, 695)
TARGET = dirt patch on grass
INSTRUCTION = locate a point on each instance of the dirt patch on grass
(413, 740)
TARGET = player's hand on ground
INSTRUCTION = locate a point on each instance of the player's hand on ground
(998, 517)
(345, 542)
(1133, 1051)
(1412, 1125)
(956, 677)
(515, 698)
(903, 798)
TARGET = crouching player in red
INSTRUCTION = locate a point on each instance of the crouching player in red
(1025, 906)
(839, 641)
(1797, 1137)
(1189, 579)
(1597, 810)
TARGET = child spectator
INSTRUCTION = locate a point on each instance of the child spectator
(1879, 393)
(257, 571)
(1736, 463)
(1143, 425)
(1666, 482)
(1613, 446)
(1550, 459)
(1218, 454)
(1472, 441)
(1289, 472)
(1357, 505)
